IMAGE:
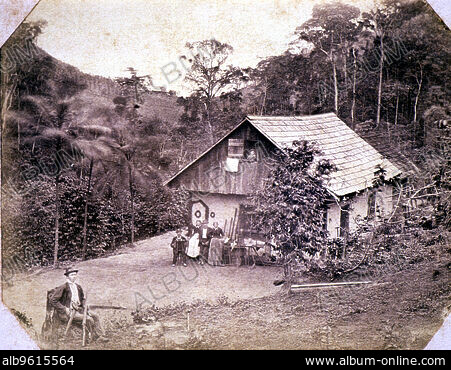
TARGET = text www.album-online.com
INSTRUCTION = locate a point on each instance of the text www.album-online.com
(390, 361)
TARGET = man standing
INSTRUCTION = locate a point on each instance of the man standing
(179, 245)
(68, 301)
(204, 241)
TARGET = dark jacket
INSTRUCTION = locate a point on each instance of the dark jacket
(216, 233)
(61, 297)
(179, 244)
(194, 230)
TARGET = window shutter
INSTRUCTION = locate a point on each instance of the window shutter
(236, 148)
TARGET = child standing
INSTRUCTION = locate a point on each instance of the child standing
(178, 244)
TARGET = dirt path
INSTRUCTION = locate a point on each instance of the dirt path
(403, 312)
(240, 308)
(142, 274)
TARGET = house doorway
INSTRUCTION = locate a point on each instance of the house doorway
(199, 211)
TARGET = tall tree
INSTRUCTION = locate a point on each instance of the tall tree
(331, 30)
(90, 141)
(51, 116)
(137, 85)
(126, 141)
(209, 76)
(382, 21)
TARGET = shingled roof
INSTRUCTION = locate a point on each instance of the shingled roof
(376, 136)
(355, 159)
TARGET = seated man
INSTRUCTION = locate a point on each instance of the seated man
(68, 299)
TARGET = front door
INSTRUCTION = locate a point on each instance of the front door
(199, 211)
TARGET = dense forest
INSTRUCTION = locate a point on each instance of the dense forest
(84, 157)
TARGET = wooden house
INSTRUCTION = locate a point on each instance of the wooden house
(222, 177)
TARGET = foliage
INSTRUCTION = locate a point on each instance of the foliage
(388, 65)
(53, 139)
(290, 207)
(29, 220)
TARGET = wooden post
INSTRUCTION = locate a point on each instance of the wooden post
(328, 285)
(234, 224)
(85, 313)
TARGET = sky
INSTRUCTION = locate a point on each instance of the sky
(104, 37)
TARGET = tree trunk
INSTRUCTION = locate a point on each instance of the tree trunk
(345, 71)
(210, 127)
(397, 106)
(132, 204)
(379, 92)
(7, 97)
(264, 97)
(417, 97)
(57, 221)
(353, 89)
(334, 67)
(85, 216)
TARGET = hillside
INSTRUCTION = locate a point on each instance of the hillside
(101, 91)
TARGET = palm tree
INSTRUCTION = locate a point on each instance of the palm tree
(124, 144)
(50, 119)
(90, 141)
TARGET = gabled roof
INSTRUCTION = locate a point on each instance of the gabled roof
(356, 160)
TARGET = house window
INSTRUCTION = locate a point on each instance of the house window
(246, 222)
(344, 220)
(250, 151)
(236, 148)
(371, 205)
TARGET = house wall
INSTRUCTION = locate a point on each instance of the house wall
(208, 174)
(384, 201)
(222, 205)
(359, 209)
(333, 219)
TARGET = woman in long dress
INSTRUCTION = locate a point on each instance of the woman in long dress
(216, 246)
(193, 250)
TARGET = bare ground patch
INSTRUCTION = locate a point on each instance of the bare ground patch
(239, 307)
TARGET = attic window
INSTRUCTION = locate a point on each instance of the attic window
(236, 148)
(250, 150)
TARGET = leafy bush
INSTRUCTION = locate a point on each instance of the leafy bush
(29, 219)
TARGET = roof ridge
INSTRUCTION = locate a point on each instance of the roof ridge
(291, 117)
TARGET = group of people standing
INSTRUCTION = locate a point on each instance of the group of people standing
(202, 244)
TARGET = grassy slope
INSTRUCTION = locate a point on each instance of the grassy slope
(100, 91)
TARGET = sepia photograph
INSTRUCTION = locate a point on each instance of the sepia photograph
(226, 175)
